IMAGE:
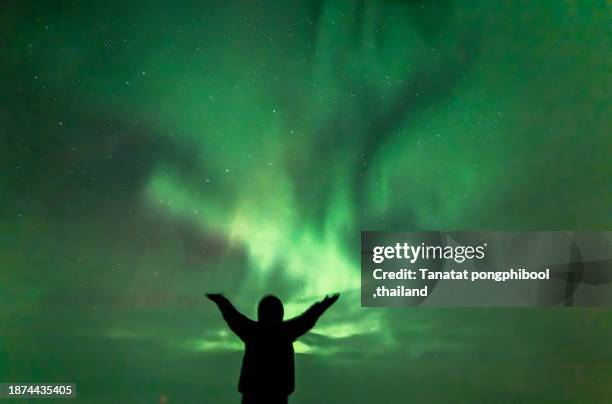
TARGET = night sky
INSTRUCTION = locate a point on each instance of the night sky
(154, 151)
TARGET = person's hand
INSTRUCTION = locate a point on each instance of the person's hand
(330, 299)
(215, 297)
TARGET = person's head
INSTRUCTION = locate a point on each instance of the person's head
(270, 310)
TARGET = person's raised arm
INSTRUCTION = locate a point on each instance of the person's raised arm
(237, 322)
(301, 324)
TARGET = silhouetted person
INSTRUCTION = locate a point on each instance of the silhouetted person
(267, 375)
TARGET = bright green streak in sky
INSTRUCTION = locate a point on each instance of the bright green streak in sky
(154, 153)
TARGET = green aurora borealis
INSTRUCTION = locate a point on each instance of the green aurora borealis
(154, 151)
